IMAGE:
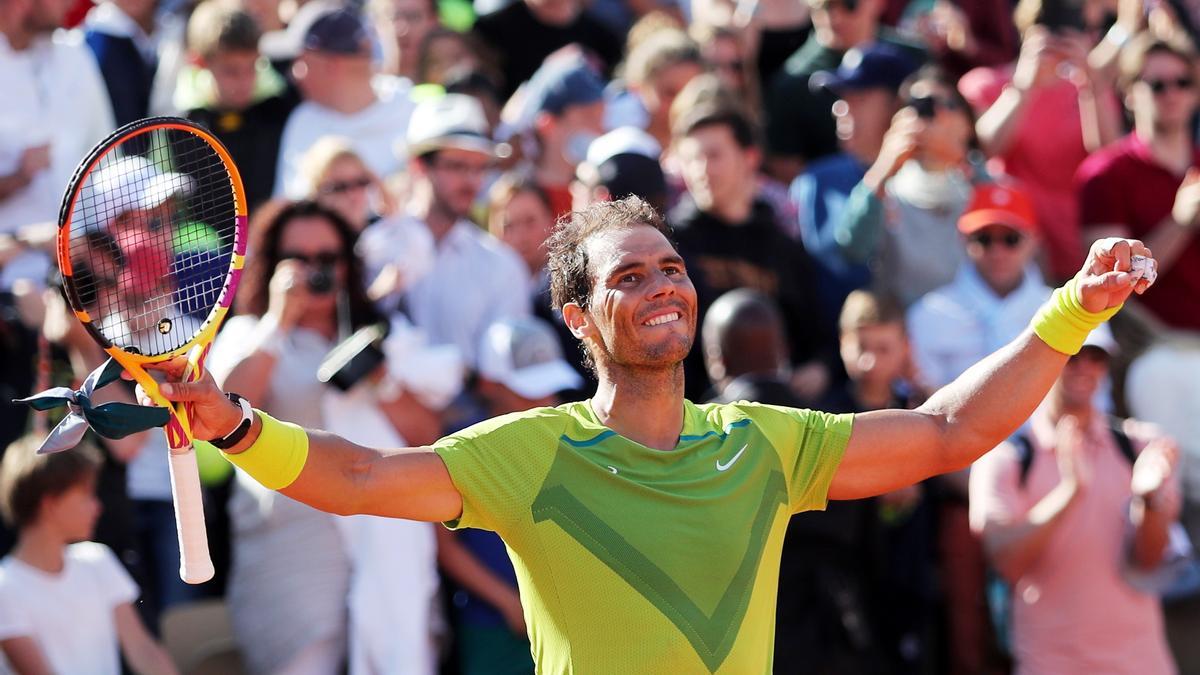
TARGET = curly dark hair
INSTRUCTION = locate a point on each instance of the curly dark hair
(570, 278)
(266, 231)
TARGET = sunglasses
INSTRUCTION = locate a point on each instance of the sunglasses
(338, 187)
(319, 259)
(1009, 239)
(927, 106)
(1161, 86)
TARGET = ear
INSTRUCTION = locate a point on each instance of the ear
(578, 321)
(753, 158)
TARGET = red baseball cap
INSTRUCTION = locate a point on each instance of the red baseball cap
(996, 204)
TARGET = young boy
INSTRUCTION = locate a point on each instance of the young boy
(65, 602)
(235, 93)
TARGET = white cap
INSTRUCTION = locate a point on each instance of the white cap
(523, 354)
(623, 141)
(127, 184)
(1101, 337)
(452, 121)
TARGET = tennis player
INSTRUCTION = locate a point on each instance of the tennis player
(645, 529)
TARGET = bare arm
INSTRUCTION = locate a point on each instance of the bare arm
(25, 656)
(1014, 547)
(889, 449)
(997, 126)
(144, 655)
(338, 476)
(1157, 501)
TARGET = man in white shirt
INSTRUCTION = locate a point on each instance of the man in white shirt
(55, 110)
(343, 96)
(992, 299)
(475, 278)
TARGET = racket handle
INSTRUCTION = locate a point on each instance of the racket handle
(195, 565)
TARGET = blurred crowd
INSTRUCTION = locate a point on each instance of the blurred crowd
(870, 196)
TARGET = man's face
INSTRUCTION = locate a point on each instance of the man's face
(842, 24)
(1081, 378)
(875, 354)
(1165, 93)
(524, 223)
(411, 21)
(715, 166)
(234, 73)
(862, 117)
(1000, 254)
(345, 188)
(583, 123)
(642, 307)
(456, 177)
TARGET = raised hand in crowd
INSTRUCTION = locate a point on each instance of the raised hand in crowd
(1186, 210)
(288, 293)
(900, 143)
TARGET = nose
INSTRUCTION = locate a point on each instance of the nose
(661, 286)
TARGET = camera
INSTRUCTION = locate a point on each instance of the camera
(354, 358)
(1060, 15)
(320, 280)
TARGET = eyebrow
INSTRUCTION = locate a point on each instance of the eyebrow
(635, 264)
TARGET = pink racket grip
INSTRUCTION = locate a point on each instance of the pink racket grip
(195, 564)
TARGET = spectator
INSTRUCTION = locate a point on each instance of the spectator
(43, 136)
(544, 26)
(66, 604)
(288, 585)
(730, 239)
(336, 176)
(654, 74)
(959, 35)
(903, 214)
(475, 279)
(727, 53)
(563, 111)
(1040, 117)
(799, 126)
(121, 33)
(1065, 494)
(520, 215)
(246, 102)
(520, 367)
(1159, 161)
(334, 72)
(991, 299)
(867, 85)
(403, 25)
(622, 162)
(445, 50)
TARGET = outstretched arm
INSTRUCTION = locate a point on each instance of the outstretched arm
(889, 449)
(337, 476)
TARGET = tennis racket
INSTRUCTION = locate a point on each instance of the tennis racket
(151, 242)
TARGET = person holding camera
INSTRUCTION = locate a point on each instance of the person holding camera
(1041, 116)
(301, 293)
(904, 212)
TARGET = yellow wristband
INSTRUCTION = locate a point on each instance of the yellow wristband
(277, 456)
(1063, 323)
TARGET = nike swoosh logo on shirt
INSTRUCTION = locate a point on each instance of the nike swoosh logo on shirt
(725, 467)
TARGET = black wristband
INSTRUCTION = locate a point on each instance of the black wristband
(234, 437)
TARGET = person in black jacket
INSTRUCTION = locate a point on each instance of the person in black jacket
(731, 239)
(119, 34)
(249, 102)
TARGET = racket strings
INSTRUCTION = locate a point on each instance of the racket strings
(152, 239)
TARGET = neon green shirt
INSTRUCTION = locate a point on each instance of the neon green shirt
(634, 560)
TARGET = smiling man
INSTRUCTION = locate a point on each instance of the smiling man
(646, 530)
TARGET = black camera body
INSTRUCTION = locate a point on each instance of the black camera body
(354, 358)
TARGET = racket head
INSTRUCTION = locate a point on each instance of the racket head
(152, 240)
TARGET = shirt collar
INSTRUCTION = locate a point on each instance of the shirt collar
(970, 281)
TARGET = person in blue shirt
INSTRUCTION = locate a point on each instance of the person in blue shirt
(867, 85)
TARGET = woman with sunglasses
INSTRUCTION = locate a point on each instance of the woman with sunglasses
(902, 216)
(337, 177)
(301, 294)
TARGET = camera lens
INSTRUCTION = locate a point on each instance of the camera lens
(320, 280)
